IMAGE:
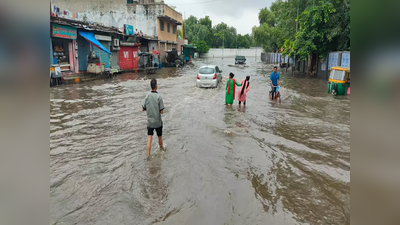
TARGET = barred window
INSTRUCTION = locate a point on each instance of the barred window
(161, 25)
(174, 29)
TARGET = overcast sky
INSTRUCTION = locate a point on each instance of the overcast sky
(241, 14)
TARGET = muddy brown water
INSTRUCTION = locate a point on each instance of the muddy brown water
(270, 163)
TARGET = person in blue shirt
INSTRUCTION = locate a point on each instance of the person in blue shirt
(275, 81)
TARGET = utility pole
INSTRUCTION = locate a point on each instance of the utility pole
(297, 24)
(223, 40)
(236, 44)
(256, 55)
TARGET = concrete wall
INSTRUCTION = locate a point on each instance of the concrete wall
(180, 43)
(114, 13)
(153, 44)
(168, 11)
(231, 53)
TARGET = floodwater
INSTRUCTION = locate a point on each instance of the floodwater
(270, 163)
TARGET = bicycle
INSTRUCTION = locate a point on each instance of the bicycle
(278, 94)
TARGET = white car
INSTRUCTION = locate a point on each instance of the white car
(209, 76)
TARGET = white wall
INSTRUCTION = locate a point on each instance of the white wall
(113, 13)
(231, 53)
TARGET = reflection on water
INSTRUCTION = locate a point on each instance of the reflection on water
(268, 163)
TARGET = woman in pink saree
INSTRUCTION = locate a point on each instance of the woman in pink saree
(244, 88)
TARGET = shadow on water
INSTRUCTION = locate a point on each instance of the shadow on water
(268, 163)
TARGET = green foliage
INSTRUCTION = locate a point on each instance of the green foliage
(266, 16)
(221, 35)
(243, 41)
(323, 26)
(206, 22)
(314, 34)
(202, 47)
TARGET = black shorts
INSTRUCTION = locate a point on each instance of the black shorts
(150, 131)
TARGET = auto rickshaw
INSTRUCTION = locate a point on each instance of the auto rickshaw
(339, 80)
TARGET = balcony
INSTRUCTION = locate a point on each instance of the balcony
(171, 16)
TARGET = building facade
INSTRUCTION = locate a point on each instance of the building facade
(155, 21)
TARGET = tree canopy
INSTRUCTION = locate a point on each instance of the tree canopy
(323, 26)
(220, 35)
(202, 47)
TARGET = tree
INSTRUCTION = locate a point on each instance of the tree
(323, 26)
(266, 16)
(217, 36)
(263, 37)
(315, 33)
(243, 42)
(206, 22)
(202, 47)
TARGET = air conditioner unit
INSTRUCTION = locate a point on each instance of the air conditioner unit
(93, 54)
(116, 42)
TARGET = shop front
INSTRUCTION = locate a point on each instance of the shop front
(106, 42)
(128, 56)
(99, 58)
(84, 49)
(63, 42)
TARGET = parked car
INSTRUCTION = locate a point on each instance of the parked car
(240, 60)
(209, 76)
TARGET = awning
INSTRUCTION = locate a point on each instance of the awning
(89, 36)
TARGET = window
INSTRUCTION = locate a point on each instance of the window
(206, 71)
(168, 27)
(338, 75)
(174, 29)
(161, 25)
(129, 1)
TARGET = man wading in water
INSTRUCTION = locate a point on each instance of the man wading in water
(154, 106)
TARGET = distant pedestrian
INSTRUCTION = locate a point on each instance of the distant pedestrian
(243, 91)
(154, 106)
(230, 89)
(275, 82)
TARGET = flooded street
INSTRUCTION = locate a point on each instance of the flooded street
(270, 163)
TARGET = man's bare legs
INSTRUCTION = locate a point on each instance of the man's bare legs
(149, 145)
(160, 143)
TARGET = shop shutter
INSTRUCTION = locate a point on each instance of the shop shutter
(114, 60)
(83, 53)
(135, 54)
(125, 58)
(104, 57)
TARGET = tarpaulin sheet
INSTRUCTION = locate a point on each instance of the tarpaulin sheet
(89, 36)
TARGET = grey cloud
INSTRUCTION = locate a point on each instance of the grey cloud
(235, 13)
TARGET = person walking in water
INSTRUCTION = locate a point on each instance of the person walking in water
(243, 91)
(275, 81)
(154, 106)
(230, 89)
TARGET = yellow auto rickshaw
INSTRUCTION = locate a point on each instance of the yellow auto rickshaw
(339, 80)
